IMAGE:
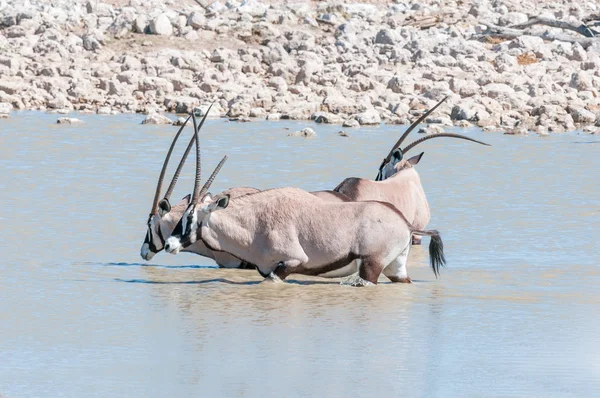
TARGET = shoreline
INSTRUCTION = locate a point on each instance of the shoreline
(351, 65)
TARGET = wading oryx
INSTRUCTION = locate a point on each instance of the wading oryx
(164, 217)
(288, 230)
(398, 182)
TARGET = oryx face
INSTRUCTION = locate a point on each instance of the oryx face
(390, 168)
(160, 226)
(187, 231)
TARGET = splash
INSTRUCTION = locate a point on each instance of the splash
(355, 280)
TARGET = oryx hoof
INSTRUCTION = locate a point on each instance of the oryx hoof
(396, 279)
(272, 278)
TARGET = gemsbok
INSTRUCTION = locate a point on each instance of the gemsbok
(398, 182)
(288, 230)
(164, 217)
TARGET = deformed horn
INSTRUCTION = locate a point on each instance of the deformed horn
(183, 159)
(417, 142)
(164, 168)
(210, 180)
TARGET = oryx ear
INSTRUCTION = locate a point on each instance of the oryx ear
(185, 201)
(164, 207)
(397, 154)
(223, 202)
(207, 198)
(415, 159)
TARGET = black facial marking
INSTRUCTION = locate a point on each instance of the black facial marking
(397, 155)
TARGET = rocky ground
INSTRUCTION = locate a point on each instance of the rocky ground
(352, 64)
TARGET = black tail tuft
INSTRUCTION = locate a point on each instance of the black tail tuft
(436, 252)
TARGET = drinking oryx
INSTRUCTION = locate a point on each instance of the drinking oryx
(164, 217)
(398, 182)
(288, 230)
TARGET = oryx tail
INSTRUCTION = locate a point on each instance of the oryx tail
(437, 258)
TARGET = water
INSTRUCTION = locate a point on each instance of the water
(515, 312)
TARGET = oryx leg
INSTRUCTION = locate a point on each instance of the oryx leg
(396, 270)
(284, 268)
(370, 269)
(416, 240)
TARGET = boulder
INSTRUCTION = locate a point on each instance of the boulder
(432, 129)
(196, 20)
(180, 121)
(161, 26)
(69, 120)
(155, 118)
(351, 123)
(582, 115)
(386, 36)
(370, 117)
(5, 108)
(581, 81)
(306, 132)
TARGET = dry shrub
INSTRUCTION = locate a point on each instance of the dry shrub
(526, 59)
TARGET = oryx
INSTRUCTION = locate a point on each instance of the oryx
(288, 230)
(164, 217)
(398, 182)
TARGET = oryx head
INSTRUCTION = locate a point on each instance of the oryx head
(187, 230)
(163, 217)
(389, 164)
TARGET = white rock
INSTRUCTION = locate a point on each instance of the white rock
(180, 121)
(443, 120)
(252, 7)
(69, 120)
(155, 118)
(351, 123)
(5, 108)
(432, 129)
(386, 36)
(196, 20)
(496, 90)
(368, 117)
(582, 115)
(582, 81)
(104, 110)
(513, 18)
(326, 117)
(401, 86)
(274, 116)
(140, 25)
(161, 25)
(306, 132)
(505, 62)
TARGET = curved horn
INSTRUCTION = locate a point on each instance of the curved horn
(412, 127)
(198, 163)
(212, 177)
(164, 168)
(417, 142)
(183, 159)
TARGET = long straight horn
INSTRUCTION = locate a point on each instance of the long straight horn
(183, 159)
(412, 127)
(164, 168)
(198, 160)
(210, 180)
(417, 142)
